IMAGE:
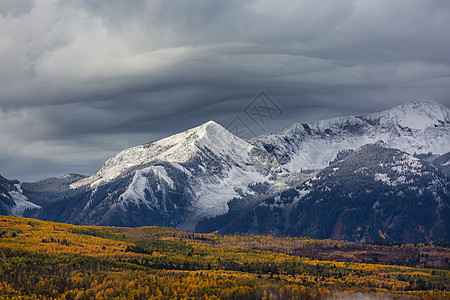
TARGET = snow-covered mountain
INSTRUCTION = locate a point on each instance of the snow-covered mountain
(207, 140)
(376, 193)
(208, 175)
(413, 127)
(12, 200)
(175, 181)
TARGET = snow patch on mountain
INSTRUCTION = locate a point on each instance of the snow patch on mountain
(317, 153)
(136, 191)
(139, 190)
(21, 204)
(383, 177)
(214, 196)
(408, 163)
(301, 194)
(162, 174)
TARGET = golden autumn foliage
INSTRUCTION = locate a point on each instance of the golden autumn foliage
(45, 260)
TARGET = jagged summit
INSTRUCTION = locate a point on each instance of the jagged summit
(177, 149)
(415, 115)
(413, 127)
(216, 137)
(418, 105)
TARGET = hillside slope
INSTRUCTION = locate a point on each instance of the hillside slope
(48, 260)
(375, 193)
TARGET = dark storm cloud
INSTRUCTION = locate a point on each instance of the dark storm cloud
(81, 80)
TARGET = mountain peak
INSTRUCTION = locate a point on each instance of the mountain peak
(418, 104)
(178, 149)
(416, 115)
(210, 123)
(210, 127)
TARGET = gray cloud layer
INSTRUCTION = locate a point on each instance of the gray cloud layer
(81, 80)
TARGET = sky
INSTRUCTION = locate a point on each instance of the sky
(82, 80)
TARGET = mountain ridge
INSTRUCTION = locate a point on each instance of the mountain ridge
(313, 145)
